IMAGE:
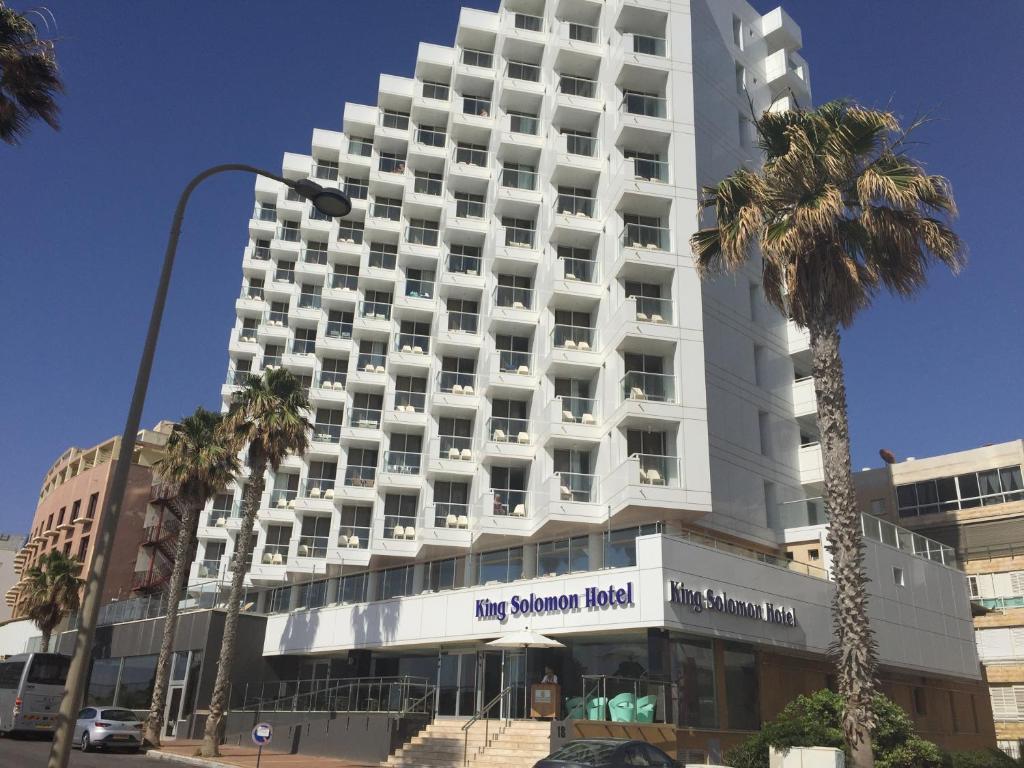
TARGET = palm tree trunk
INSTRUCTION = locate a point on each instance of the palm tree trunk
(188, 510)
(243, 547)
(854, 645)
(44, 643)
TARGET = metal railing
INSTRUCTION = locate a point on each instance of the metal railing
(325, 170)
(644, 104)
(656, 469)
(312, 546)
(503, 700)
(402, 462)
(644, 236)
(579, 410)
(282, 498)
(471, 156)
(412, 343)
(509, 502)
(462, 322)
(317, 488)
(448, 514)
(418, 288)
(648, 45)
(409, 401)
(652, 309)
(519, 237)
(394, 695)
(625, 699)
(577, 86)
(338, 329)
(456, 382)
(327, 433)
(576, 486)
(585, 33)
(462, 264)
(377, 310)
(521, 70)
(518, 178)
(584, 270)
(474, 105)
(431, 137)
(506, 429)
(359, 476)
(512, 297)
(364, 418)
(470, 209)
(344, 281)
(527, 125)
(510, 361)
(649, 170)
(421, 235)
(575, 205)
(576, 337)
(454, 447)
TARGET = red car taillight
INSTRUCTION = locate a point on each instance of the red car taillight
(17, 707)
(99, 724)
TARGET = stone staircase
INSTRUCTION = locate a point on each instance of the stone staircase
(441, 744)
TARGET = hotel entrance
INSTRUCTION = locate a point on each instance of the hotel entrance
(469, 680)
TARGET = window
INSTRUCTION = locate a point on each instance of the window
(103, 682)
(354, 531)
(764, 433)
(355, 187)
(352, 588)
(474, 58)
(741, 78)
(920, 702)
(476, 105)
(135, 688)
(427, 183)
(620, 545)
(813, 555)
(555, 558)
(83, 548)
(350, 232)
(737, 32)
(693, 666)
(897, 576)
(527, 22)
(313, 541)
(392, 119)
(446, 574)
(522, 122)
(502, 565)
(394, 582)
(746, 131)
(430, 135)
(61, 514)
(391, 162)
(741, 681)
(275, 550)
(966, 491)
(387, 208)
(438, 91)
(972, 586)
(90, 511)
(521, 70)
(326, 169)
(359, 146)
(383, 255)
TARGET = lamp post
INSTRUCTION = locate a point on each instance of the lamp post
(332, 202)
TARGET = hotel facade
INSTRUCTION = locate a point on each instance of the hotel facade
(530, 412)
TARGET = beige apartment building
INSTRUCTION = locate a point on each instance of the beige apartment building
(972, 501)
(69, 512)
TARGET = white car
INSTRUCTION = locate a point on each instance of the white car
(107, 728)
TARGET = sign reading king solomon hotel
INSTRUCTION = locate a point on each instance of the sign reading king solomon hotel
(720, 602)
(593, 599)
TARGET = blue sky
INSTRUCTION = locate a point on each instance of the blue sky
(156, 93)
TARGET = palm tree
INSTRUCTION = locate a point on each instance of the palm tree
(29, 79)
(838, 212)
(200, 462)
(269, 415)
(54, 591)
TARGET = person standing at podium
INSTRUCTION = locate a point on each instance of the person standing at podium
(550, 678)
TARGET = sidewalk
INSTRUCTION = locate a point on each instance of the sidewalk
(183, 753)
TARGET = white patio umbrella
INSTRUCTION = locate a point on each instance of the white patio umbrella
(525, 639)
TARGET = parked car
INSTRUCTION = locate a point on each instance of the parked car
(107, 728)
(607, 753)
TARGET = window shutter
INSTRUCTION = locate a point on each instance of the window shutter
(1017, 583)
(994, 644)
(1004, 702)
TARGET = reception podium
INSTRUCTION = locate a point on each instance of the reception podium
(544, 698)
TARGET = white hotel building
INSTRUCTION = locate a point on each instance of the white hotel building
(520, 385)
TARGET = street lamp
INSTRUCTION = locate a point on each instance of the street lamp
(333, 203)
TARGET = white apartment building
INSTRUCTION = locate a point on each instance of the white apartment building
(517, 377)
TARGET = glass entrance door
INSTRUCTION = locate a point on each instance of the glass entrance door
(456, 685)
(172, 711)
(499, 670)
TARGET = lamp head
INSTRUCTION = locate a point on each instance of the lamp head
(332, 202)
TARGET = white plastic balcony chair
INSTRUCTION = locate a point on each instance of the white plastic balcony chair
(410, 532)
(314, 492)
(499, 436)
(277, 559)
(379, 369)
(635, 393)
(588, 418)
(451, 521)
(638, 246)
(523, 370)
(303, 550)
(467, 454)
(642, 317)
(417, 350)
(457, 389)
(570, 276)
(569, 344)
(518, 305)
(653, 247)
(654, 477)
(519, 510)
(568, 417)
(222, 522)
(267, 558)
(467, 390)
(329, 493)
(583, 346)
(353, 542)
(282, 503)
(463, 521)
(453, 453)
(565, 493)
(398, 532)
(407, 348)
(291, 503)
(523, 438)
(657, 319)
(368, 368)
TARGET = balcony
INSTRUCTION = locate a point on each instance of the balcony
(411, 350)
(786, 72)
(643, 316)
(577, 213)
(329, 434)
(520, 130)
(570, 420)
(471, 162)
(224, 517)
(522, 77)
(336, 336)
(798, 338)
(647, 398)
(456, 392)
(397, 535)
(573, 497)
(401, 469)
(571, 347)
(805, 400)
(518, 185)
(450, 515)
(513, 370)
(578, 152)
(516, 245)
(467, 216)
(452, 455)
(458, 330)
(283, 498)
(580, 38)
(360, 481)
(328, 389)
(406, 408)
(812, 470)
(374, 316)
(509, 438)
(512, 306)
(524, 26)
(647, 245)
(316, 494)
(646, 480)
(577, 278)
(579, 95)
(780, 31)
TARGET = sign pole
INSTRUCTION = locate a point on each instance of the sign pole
(259, 754)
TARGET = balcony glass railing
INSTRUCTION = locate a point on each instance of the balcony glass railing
(575, 205)
(658, 470)
(261, 253)
(338, 329)
(253, 292)
(391, 164)
(644, 104)
(271, 362)
(651, 309)
(650, 170)
(357, 190)
(472, 58)
(317, 488)
(435, 91)
(344, 282)
(423, 185)
(310, 301)
(237, 378)
(470, 209)
(283, 498)
(471, 105)
(375, 310)
(327, 171)
(655, 387)
(518, 178)
(327, 433)
(417, 288)
(332, 379)
(516, 362)
(577, 410)
(371, 362)
(575, 337)
(584, 270)
(528, 22)
(276, 318)
(456, 383)
(505, 429)
(519, 237)
(364, 418)
(264, 214)
(471, 156)
(518, 70)
(312, 546)
(359, 476)
(410, 402)
(354, 537)
(513, 298)
(585, 33)
(274, 554)
(412, 343)
(649, 46)
(450, 514)
(303, 347)
(509, 502)
(284, 275)
(454, 447)
(289, 234)
(575, 486)
(315, 256)
(431, 138)
(402, 462)
(422, 235)
(400, 527)
(462, 322)
(643, 236)
(397, 120)
(577, 86)
(524, 124)
(461, 264)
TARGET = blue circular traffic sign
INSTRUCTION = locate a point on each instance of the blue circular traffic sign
(262, 733)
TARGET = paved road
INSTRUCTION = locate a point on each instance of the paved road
(33, 753)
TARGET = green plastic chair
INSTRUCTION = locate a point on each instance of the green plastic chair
(597, 708)
(623, 708)
(574, 709)
(645, 709)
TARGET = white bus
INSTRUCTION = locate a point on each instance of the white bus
(31, 689)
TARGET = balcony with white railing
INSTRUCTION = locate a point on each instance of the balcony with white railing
(785, 72)
(456, 331)
(373, 316)
(520, 130)
(811, 464)
(644, 480)
(577, 213)
(282, 498)
(509, 438)
(411, 350)
(329, 434)
(575, 277)
(456, 391)
(362, 425)
(583, 38)
(401, 469)
(636, 54)
(419, 293)
(470, 161)
(518, 185)
(463, 271)
(360, 480)
(467, 216)
(571, 497)
(512, 305)
(452, 455)
(647, 398)
(576, 151)
(335, 335)
(643, 105)
(397, 534)
(523, 77)
(524, 26)
(421, 239)
(316, 493)
(451, 515)
(570, 346)
(798, 338)
(646, 240)
(572, 419)
(369, 364)
(646, 316)
(805, 400)
(516, 244)
(405, 408)
(513, 370)
(578, 93)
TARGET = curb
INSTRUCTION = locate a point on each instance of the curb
(205, 762)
